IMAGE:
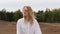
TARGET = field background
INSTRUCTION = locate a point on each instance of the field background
(47, 28)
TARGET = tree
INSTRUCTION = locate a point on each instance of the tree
(9, 16)
(17, 15)
(3, 14)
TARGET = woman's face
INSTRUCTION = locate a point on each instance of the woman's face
(26, 11)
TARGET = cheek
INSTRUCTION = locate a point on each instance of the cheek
(26, 13)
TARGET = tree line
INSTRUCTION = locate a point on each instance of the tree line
(10, 16)
(41, 16)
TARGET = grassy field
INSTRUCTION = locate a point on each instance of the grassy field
(47, 28)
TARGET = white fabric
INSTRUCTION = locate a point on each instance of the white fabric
(25, 28)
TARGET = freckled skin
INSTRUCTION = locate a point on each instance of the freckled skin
(26, 12)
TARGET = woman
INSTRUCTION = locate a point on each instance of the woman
(28, 24)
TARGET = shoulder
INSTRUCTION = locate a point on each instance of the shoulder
(20, 20)
(35, 20)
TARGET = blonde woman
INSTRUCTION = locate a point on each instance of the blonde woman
(28, 24)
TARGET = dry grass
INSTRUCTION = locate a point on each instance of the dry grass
(50, 28)
(47, 28)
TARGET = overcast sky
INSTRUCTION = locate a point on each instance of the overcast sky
(12, 5)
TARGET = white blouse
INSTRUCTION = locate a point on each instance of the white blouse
(26, 28)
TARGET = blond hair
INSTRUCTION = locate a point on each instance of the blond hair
(31, 15)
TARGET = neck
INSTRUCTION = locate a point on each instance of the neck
(27, 18)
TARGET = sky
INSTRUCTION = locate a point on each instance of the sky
(13, 5)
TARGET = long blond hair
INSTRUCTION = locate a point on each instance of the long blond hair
(31, 15)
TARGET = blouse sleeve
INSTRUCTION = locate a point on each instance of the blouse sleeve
(18, 27)
(37, 28)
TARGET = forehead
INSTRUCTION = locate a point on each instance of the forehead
(26, 7)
